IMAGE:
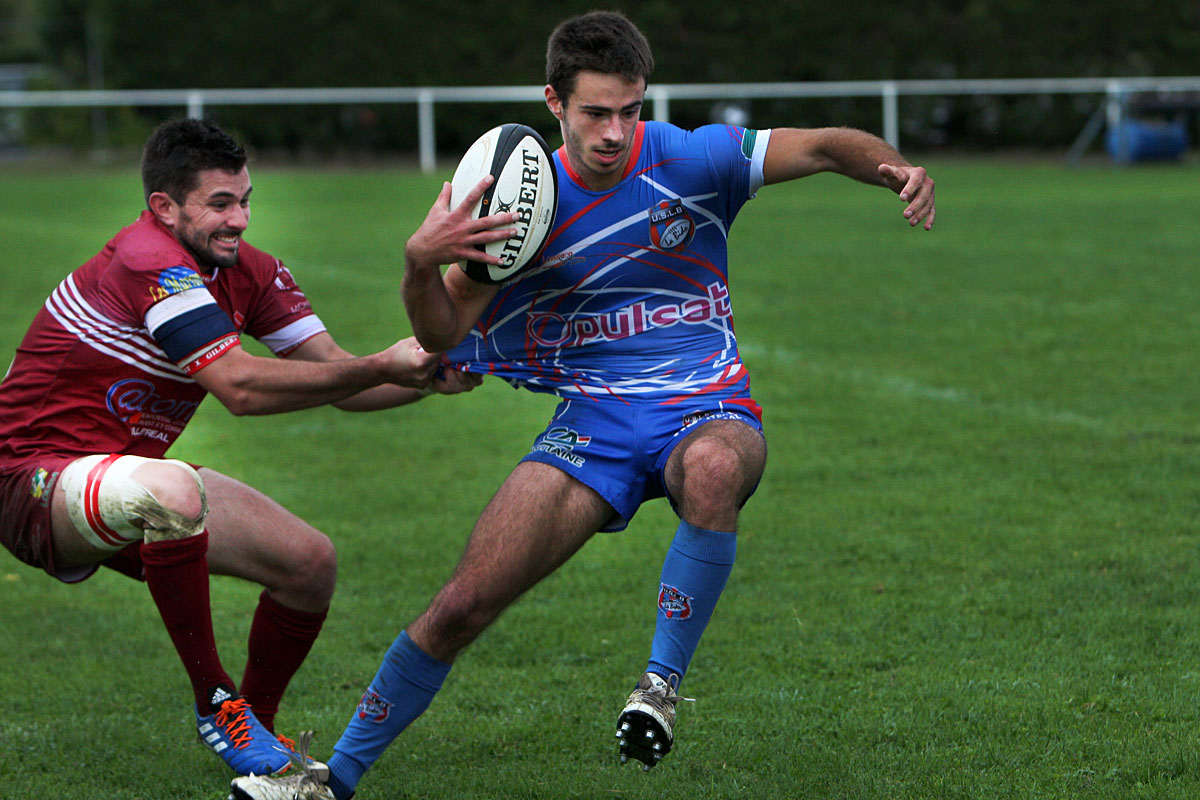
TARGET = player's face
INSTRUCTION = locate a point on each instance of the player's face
(598, 121)
(212, 219)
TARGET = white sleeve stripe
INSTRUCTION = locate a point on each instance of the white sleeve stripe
(756, 161)
(291, 335)
(94, 329)
(118, 349)
(68, 297)
(171, 307)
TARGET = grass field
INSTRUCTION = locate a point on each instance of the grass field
(969, 572)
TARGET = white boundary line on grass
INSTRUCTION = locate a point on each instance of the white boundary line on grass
(907, 387)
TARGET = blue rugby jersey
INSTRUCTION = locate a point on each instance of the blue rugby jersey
(631, 297)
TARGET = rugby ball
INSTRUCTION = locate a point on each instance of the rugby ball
(526, 184)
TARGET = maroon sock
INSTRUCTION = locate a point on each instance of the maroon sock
(280, 638)
(177, 576)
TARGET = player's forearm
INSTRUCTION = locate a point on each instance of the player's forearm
(798, 152)
(380, 397)
(253, 386)
(858, 154)
(431, 310)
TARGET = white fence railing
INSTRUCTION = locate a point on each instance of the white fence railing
(1115, 90)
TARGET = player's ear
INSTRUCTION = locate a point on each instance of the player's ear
(553, 102)
(162, 206)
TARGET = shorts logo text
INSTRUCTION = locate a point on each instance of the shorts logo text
(561, 442)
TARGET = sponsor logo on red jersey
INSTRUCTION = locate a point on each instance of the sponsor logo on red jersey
(147, 411)
(39, 483)
(174, 280)
(210, 353)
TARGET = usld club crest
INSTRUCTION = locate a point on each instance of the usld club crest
(671, 226)
(374, 708)
(674, 603)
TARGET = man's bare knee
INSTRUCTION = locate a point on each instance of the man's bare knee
(713, 472)
(315, 572)
(177, 491)
(174, 503)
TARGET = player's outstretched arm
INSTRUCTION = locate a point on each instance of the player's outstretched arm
(247, 384)
(412, 360)
(442, 310)
(797, 152)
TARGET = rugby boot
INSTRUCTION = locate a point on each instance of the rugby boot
(645, 729)
(306, 783)
(235, 734)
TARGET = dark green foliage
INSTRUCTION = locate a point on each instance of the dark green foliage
(144, 44)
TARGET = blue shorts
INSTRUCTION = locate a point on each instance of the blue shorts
(621, 449)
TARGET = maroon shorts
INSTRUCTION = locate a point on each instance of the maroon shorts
(25, 492)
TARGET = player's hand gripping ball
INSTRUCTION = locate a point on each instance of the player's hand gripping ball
(526, 184)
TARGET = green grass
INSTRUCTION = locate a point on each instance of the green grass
(969, 571)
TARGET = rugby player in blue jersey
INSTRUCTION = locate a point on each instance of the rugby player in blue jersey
(626, 317)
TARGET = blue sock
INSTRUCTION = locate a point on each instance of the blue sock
(693, 576)
(402, 689)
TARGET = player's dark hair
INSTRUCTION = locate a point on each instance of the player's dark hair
(602, 41)
(179, 150)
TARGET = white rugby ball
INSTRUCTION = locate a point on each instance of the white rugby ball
(526, 184)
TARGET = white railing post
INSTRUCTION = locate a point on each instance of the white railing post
(425, 132)
(1115, 103)
(1114, 112)
(662, 103)
(891, 116)
(195, 105)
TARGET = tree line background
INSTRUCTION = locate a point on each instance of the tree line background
(139, 44)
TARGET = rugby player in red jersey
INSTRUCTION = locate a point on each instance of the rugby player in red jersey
(110, 371)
